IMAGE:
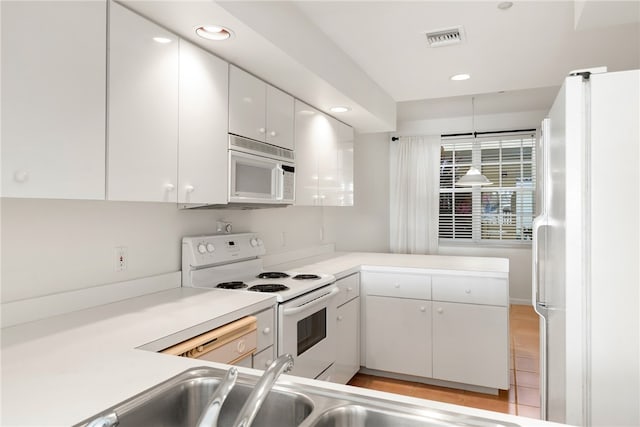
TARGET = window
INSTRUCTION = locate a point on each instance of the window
(502, 211)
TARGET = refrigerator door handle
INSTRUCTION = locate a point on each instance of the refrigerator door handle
(538, 223)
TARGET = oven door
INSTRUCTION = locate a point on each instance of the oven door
(306, 330)
(254, 179)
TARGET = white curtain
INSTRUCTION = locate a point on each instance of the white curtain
(414, 194)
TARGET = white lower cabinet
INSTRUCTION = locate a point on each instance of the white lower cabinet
(263, 359)
(398, 335)
(348, 352)
(452, 328)
(470, 344)
(264, 355)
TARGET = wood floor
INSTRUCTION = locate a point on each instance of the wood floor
(523, 398)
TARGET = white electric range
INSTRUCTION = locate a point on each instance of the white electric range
(306, 304)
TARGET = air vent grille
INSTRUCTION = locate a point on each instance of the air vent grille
(445, 36)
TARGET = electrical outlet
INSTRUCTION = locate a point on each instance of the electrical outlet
(121, 258)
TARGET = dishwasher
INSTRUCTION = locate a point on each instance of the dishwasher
(233, 344)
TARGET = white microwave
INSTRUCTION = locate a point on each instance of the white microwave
(260, 173)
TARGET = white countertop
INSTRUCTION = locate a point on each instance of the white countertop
(64, 369)
(61, 370)
(341, 264)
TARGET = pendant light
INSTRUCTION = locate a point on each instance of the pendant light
(473, 176)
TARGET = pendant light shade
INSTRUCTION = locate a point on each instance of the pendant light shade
(473, 176)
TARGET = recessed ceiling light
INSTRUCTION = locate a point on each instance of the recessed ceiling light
(459, 77)
(213, 32)
(162, 40)
(339, 109)
(504, 5)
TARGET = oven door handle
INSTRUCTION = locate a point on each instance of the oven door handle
(303, 307)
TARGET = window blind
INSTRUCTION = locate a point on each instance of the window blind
(502, 211)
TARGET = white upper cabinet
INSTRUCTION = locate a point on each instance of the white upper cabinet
(247, 105)
(203, 120)
(324, 159)
(53, 99)
(259, 111)
(279, 118)
(143, 109)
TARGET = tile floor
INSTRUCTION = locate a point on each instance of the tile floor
(523, 397)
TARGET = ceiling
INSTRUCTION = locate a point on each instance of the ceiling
(373, 55)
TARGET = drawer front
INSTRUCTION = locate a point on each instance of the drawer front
(263, 359)
(233, 351)
(266, 328)
(471, 290)
(399, 285)
(349, 289)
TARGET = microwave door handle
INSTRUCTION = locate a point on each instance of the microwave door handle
(295, 310)
(279, 182)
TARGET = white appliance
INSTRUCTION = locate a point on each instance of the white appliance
(306, 326)
(586, 252)
(260, 173)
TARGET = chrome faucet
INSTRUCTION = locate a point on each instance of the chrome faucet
(209, 417)
(254, 402)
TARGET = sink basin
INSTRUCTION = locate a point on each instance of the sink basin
(361, 416)
(181, 400)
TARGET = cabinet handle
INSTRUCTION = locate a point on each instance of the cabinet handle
(423, 309)
(262, 130)
(440, 310)
(397, 285)
(467, 291)
(267, 363)
(349, 289)
(21, 176)
(273, 133)
(169, 187)
(266, 331)
(340, 318)
(242, 346)
(189, 188)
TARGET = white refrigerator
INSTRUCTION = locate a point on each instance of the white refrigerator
(586, 252)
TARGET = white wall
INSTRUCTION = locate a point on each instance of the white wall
(51, 246)
(365, 226)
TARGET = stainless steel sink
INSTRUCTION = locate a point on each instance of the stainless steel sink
(180, 401)
(361, 416)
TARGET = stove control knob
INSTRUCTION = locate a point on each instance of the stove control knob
(202, 248)
(253, 242)
(210, 247)
(259, 241)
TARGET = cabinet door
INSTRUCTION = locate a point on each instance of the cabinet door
(279, 118)
(327, 154)
(203, 120)
(143, 109)
(53, 99)
(348, 353)
(471, 344)
(398, 335)
(345, 147)
(247, 105)
(308, 124)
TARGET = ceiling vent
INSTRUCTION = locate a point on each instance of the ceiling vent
(445, 37)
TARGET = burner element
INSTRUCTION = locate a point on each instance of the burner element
(306, 277)
(272, 275)
(231, 285)
(270, 287)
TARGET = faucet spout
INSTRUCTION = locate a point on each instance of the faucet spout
(209, 417)
(254, 402)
